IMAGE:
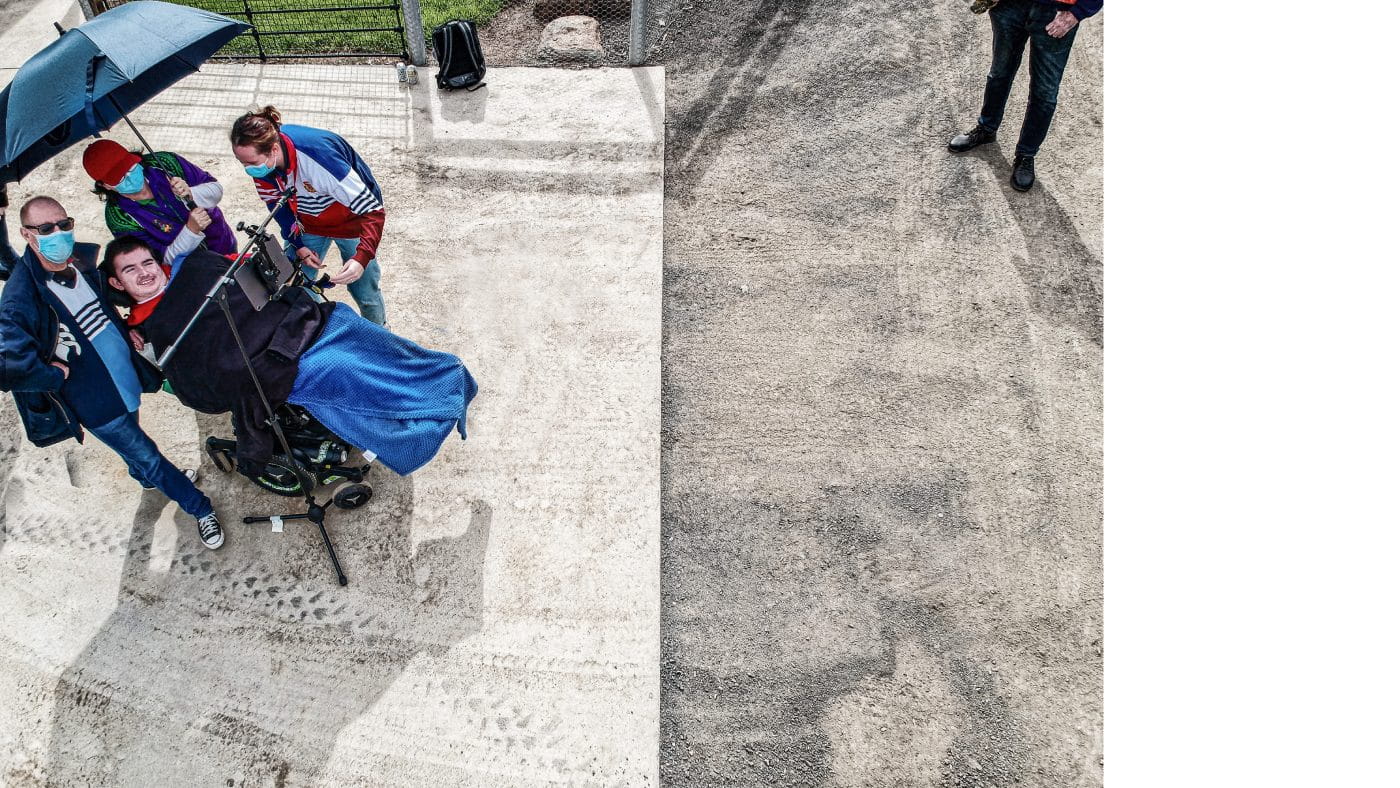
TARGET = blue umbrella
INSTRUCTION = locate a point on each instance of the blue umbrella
(93, 75)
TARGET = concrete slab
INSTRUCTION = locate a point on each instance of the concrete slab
(501, 626)
(28, 28)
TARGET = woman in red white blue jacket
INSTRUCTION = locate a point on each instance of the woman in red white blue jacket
(336, 199)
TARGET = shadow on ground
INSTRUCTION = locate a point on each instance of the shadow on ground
(250, 666)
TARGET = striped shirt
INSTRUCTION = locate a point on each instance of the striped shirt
(86, 312)
(82, 304)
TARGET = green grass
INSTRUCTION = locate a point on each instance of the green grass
(435, 12)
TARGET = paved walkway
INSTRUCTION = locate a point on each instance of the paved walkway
(501, 625)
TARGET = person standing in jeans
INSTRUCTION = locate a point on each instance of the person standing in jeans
(336, 199)
(1049, 26)
(64, 355)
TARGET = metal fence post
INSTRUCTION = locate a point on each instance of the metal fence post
(413, 31)
(86, 6)
(253, 28)
(637, 52)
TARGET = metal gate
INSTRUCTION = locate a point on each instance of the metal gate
(513, 32)
(306, 28)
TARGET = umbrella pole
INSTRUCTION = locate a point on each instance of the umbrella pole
(134, 130)
(137, 132)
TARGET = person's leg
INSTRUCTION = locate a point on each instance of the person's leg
(138, 473)
(1048, 58)
(133, 470)
(364, 290)
(125, 437)
(1009, 34)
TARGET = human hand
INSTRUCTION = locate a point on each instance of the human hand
(198, 221)
(181, 189)
(61, 367)
(136, 340)
(307, 257)
(66, 343)
(353, 270)
(1063, 22)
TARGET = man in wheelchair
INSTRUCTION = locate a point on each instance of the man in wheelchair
(376, 390)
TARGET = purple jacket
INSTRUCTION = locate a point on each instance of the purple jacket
(159, 222)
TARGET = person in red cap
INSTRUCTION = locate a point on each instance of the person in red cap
(160, 198)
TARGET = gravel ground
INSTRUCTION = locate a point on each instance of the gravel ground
(882, 376)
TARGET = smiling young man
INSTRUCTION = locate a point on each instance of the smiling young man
(140, 277)
(63, 355)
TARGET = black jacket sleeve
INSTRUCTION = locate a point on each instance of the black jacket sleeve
(9, 258)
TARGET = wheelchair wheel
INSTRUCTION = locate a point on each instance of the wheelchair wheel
(351, 495)
(282, 477)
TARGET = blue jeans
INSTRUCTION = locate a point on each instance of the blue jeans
(364, 290)
(148, 466)
(1014, 22)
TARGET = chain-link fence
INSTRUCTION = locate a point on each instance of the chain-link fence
(513, 32)
(305, 28)
(558, 32)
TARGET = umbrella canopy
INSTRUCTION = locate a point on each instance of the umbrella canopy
(82, 83)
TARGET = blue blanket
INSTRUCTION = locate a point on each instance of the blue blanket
(381, 392)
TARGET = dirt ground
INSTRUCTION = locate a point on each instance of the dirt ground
(881, 433)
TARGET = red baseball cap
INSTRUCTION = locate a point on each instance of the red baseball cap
(106, 161)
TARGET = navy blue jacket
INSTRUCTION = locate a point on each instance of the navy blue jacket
(1082, 9)
(29, 320)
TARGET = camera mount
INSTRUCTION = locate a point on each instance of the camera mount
(264, 274)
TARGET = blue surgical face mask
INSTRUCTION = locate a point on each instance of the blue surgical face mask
(134, 181)
(258, 170)
(57, 246)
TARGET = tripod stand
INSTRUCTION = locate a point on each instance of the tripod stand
(269, 278)
(315, 512)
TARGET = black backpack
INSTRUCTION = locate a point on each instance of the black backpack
(458, 50)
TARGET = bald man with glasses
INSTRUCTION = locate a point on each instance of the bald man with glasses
(64, 356)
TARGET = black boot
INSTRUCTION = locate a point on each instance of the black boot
(1023, 173)
(966, 142)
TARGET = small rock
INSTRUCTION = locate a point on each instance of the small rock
(572, 38)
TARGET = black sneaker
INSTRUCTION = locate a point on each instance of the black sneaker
(190, 473)
(966, 142)
(1023, 173)
(210, 533)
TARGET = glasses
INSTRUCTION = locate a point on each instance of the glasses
(47, 228)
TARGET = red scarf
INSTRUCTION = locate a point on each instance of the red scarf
(141, 311)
